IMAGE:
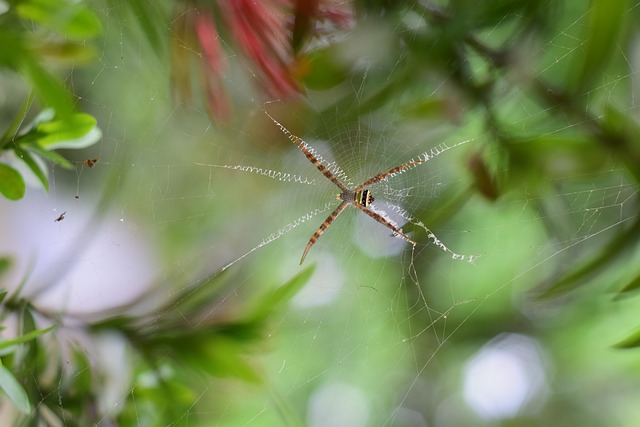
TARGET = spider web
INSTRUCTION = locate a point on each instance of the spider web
(374, 338)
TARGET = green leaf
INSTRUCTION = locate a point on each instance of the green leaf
(52, 156)
(605, 21)
(24, 338)
(621, 125)
(150, 17)
(432, 108)
(221, 357)
(67, 52)
(597, 264)
(31, 163)
(12, 184)
(630, 286)
(48, 88)
(35, 355)
(72, 19)
(281, 295)
(83, 376)
(632, 341)
(11, 48)
(73, 132)
(11, 131)
(322, 69)
(70, 128)
(14, 391)
(552, 156)
(622, 135)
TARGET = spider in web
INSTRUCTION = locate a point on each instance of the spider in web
(359, 197)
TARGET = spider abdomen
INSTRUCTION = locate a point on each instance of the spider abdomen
(363, 198)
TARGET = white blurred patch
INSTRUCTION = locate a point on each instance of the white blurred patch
(506, 376)
(114, 362)
(325, 284)
(337, 405)
(69, 266)
(409, 418)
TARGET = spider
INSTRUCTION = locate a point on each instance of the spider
(359, 197)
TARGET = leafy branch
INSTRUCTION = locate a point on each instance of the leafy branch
(24, 49)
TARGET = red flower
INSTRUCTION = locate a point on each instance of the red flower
(261, 34)
(264, 31)
(213, 58)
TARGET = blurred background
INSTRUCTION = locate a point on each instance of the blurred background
(153, 213)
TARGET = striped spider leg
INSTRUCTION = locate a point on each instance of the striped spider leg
(359, 197)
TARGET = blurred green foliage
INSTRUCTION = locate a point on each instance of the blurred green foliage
(547, 127)
(9, 385)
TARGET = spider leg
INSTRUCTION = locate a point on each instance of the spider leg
(326, 172)
(384, 222)
(382, 175)
(315, 162)
(327, 222)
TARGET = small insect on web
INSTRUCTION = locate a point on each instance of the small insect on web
(359, 197)
(91, 162)
(61, 217)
